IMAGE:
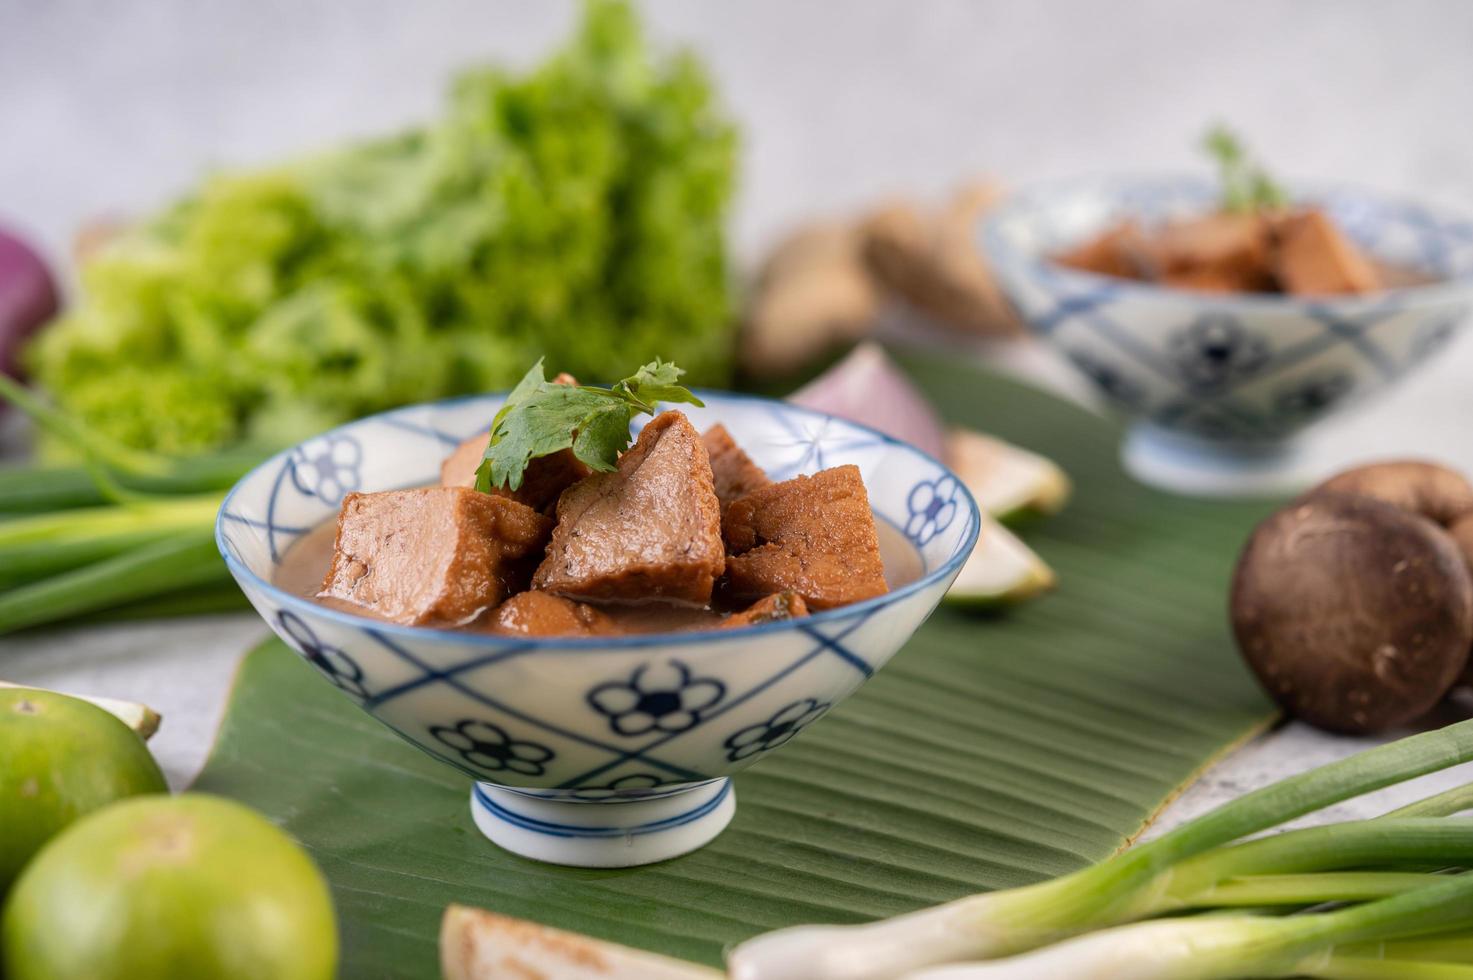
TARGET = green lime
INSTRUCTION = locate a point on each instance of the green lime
(60, 759)
(185, 886)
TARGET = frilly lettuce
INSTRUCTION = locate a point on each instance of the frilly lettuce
(575, 213)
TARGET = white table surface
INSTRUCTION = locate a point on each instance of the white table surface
(112, 108)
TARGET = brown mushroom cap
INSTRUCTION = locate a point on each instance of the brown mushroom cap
(1462, 535)
(1437, 493)
(1355, 614)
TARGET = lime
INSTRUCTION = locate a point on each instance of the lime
(185, 886)
(60, 759)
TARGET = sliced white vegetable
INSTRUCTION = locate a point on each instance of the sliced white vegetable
(139, 717)
(1000, 572)
(480, 945)
(1009, 482)
(869, 388)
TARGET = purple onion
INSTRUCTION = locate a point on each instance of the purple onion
(867, 387)
(28, 299)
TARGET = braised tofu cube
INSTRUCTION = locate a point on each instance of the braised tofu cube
(543, 614)
(437, 556)
(649, 530)
(1120, 252)
(732, 470)
(773, 609)
(1315, 259)
(813, 535)
(544, 480)
(1223, 252)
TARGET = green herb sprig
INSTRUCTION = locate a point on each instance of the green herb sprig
(1246, 186)
(541, 417)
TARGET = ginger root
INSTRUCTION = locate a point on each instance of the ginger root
(931, 260)
(813, 293)
(823, 285)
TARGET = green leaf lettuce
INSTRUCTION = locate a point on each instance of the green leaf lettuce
(574, 212)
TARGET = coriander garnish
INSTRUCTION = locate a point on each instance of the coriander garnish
(541, 417)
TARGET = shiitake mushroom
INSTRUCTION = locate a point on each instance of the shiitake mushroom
(1356, 614)
(1440, 494)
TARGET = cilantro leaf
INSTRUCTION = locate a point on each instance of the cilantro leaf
(1246, 186)
(540, 418)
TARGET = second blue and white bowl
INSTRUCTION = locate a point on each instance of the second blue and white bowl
(1250, 370)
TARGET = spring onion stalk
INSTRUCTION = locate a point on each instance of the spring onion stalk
(29, 490)
(224, 596)
(1450, 948)
(40, 545)
(125, 534)
(1356, 844)
(1228, 947)
(76, 435)
(1344, 968)
(1444, 804)
(186, 560)
(1262, 891)
(1120, 889)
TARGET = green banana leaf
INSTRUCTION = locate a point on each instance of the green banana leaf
(988, 753)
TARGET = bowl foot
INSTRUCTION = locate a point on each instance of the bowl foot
(1203, 468)
(607, 834)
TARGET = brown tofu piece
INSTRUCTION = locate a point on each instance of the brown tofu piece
(773, 609)
(1209, 279)
(1316, 259)
(434, 556)
(732, 470)
(1222, 252)
(813, 535)
(649, 530)
(544, 480)
(543, 614)
(1120, 251)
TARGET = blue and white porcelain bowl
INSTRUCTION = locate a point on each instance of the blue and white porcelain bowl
(1247, 370)
(599, 752)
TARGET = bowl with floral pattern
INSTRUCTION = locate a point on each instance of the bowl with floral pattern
(1229, 370)
(599, 751)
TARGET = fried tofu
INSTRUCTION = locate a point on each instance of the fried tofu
(543, 614)
(436, 556)
(1225, 252)
(773, 609)
(649, 530)
(812, 535)
(1120, 252)
(1316, 259)
(544, 480)
(732, 470)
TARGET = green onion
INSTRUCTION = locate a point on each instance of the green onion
(1450, 947)
(1261, 891)
(1338, 968)
(219, 597)
(186, 560)
(127, 533)
(1136, 883)
(1221, 948)
(38, 489)
(40, 545)
(28, 490)
(1381, 843)
(1444, 804)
